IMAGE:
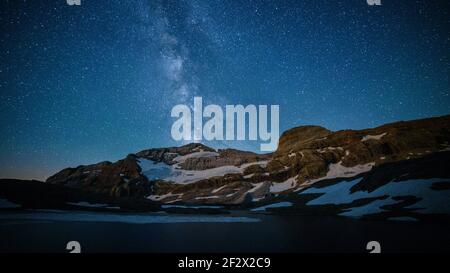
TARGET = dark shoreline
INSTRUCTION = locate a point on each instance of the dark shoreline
(273, 233)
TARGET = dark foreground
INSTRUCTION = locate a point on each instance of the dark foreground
(49, 231)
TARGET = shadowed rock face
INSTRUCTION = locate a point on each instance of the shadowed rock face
(118, 179)
(32, 194)
(195, 173)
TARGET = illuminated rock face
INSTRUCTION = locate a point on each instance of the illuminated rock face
(306, 155)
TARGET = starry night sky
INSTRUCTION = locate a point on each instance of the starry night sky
(83, 84)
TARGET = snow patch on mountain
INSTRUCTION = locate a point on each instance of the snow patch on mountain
(262, 163)
(326, 149)
(256, 186)
(290, 183)
(207, 197)
(183, 158)
(374, 137)
(154, 170)
(191, 176)
(218, 189)
(159, 170)
(164, 196)
(339, 171)
(431, 201)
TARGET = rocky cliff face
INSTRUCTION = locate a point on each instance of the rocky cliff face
(306, 155)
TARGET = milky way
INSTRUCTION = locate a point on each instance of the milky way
(82, 84)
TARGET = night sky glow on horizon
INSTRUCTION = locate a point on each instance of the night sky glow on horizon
(83, 84)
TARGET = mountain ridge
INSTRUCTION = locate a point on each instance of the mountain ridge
(364, 165)
(304, 155)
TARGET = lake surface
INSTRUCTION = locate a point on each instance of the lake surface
(49, 231)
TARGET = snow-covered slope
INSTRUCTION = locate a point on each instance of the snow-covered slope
(429, 200)
(407, 190)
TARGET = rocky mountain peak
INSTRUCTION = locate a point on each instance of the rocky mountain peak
(298, 137)
(196, 173)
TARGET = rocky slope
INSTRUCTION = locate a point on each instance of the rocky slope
(198, 174)
(403, 190)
